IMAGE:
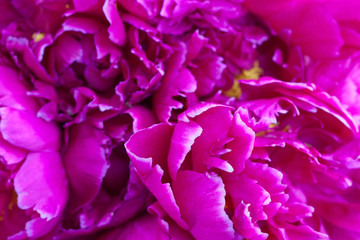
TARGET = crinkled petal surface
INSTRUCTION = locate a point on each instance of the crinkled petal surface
(310, 22)
(41, 184)
(24, 129)
(201, 200)
(145, 227)
(85, 162)
(148, 150)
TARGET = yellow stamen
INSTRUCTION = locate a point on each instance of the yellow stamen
(271, 129)
(38, 37)
(67, 6)
(253, 73)
(286, 128)
(13, 200)
(261, 133)
(235, 90)
(273, 125)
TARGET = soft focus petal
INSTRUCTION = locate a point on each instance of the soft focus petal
(10, 153)
(310, 22)
(148, 158)
(204, 211)
(146, 227)
(41, 184)
(24, 129)
(85, 163)
(116, 29)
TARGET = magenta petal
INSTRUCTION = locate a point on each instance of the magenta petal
(219, 163)
(21, 45)
(13, 90)
(174, 85)
(142, 9)
(38, 227)
(242, 145)
(195, 44)
(311, 24)
(177, 81)
(142, 116)
(10, 153)
(41, 184)
(182, 140)
(340, 213)
(83, 5)
(201, 200)
(81, 24)
(243, 223)
(104, 47)
(213, 137)
(67, 51)
(116, 30)
(147, 157)
(85, 162)
(251, 193)
(146, 227)
(24, 129)
(9, 82)
(304, 232)
(208, 74)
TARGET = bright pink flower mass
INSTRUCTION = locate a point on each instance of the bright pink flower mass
(178, 119)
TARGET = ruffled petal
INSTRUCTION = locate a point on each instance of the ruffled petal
(41, 184)
(116, 30)
(149, 159)
(182, 140)
(10, 153)
(85, 163)
(24, 129)
(204, 210)
(311, 24)
(145, 227)
(242, 144)
(178, 81)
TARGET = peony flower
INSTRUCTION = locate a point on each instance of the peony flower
(104, 188)
(339, 77)
(311, 24)
(266, 171)
(126, 119)
(34, 185)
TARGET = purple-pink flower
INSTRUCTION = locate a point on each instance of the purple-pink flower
(267, 170)
(129, 119)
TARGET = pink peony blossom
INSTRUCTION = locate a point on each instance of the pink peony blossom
(131, 119)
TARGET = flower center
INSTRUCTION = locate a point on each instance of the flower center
(253, 73)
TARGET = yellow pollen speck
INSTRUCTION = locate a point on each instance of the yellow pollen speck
(67, 6)
(273, 125)
(235, 90)
(38, 37)
(13, 200)
(286, 128)
(261, 133)
(271, 129)
(253, 73)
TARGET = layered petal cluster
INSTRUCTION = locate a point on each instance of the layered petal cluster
(269, 170)
(178, 119)
(34, 187)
